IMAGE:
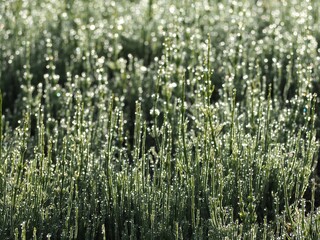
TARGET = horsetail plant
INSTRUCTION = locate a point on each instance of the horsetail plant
(159, 119)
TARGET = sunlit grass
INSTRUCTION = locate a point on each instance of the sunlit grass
(159, 119)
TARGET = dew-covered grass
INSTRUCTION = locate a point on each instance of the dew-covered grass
(159, 119)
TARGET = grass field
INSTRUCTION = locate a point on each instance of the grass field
(159, 119)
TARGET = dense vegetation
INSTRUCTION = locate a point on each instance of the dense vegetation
(159, 119)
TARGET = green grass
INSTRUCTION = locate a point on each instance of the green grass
(159, 119)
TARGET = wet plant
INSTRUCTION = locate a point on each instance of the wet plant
(159, 119)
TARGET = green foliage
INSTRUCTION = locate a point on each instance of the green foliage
(159, 119)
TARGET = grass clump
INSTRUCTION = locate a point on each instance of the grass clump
(159, 120)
